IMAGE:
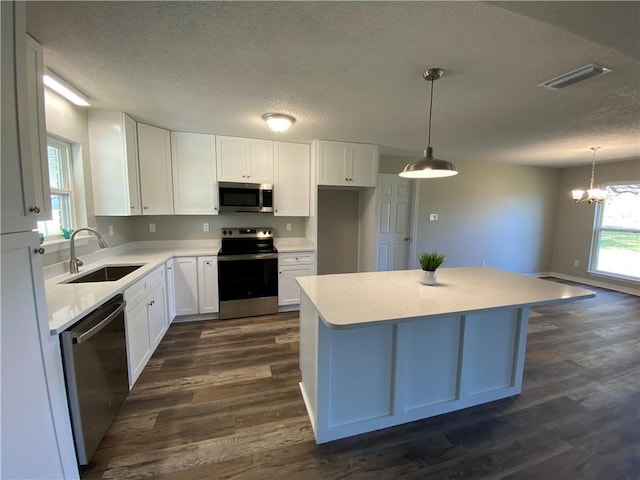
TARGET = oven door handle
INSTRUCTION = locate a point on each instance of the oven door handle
(248, 256)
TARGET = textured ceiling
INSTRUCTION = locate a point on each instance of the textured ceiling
(352, 71)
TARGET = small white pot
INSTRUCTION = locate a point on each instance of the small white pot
(428, 278)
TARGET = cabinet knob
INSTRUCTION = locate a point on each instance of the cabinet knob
(146, 208)
(35, 209)
(40, 250)
(132, 207)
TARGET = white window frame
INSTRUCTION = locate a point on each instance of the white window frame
(67, 166)
(598, 229)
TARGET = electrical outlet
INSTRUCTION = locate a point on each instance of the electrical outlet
(288, 227)
(576, 263)
(205, 227)
(111, 230)
(152, 227)
(433, 217)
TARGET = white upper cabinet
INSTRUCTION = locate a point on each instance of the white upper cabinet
(193, 161)
(244, 160)
(113, 146)
(37, 128)
(347, 164)
(154, 155)
(18, 197)
(291, 184)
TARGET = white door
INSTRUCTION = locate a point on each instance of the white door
(393, 223)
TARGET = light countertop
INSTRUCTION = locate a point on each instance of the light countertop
(349, 300)
(68, 302)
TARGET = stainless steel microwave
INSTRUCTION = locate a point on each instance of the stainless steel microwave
(245, 197)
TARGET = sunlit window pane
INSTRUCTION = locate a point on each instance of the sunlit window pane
(59, 162)
(619, 252)
(616, 249)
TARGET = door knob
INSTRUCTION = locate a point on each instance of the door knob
(40, 250)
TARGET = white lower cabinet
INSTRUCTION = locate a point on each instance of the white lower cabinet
(185, 270)
(208, 284)
(146, 320)
(171, 291)
(290, 266)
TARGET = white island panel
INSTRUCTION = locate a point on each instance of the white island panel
(380, 349)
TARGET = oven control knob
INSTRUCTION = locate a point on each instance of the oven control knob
(269, 232)
(224, 232)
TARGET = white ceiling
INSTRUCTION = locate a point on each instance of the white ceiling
(352, 71)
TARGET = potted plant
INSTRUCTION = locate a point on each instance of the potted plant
(430, 262)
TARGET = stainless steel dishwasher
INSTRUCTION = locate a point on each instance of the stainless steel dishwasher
(95, 366)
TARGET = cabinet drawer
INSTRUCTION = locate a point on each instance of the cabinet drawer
(135, 293)
(154, 278)
(302, 258)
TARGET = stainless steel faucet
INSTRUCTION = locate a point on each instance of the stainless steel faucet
(74, 262)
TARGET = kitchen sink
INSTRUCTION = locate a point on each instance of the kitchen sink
(108, 273)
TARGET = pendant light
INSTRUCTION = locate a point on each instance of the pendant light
(591, 195)
(430, 167)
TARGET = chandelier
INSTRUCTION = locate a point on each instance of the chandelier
(592, 194)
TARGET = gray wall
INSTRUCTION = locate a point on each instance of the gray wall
(574, 223)
(503, 215)
(337, 250)
(189, 227)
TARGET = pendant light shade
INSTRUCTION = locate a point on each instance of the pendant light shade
(429, 167)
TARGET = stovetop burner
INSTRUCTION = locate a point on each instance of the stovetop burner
(242, 241)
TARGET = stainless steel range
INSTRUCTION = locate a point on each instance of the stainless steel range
(247, 272)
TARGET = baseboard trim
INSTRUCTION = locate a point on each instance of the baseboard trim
(592, 282)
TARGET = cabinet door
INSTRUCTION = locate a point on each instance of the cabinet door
(193, 161)
(156, 316)
(154, 155)
(138, 346)
(259, 161)
(332, 163)
(37, 129)
(288, 288)
(186, 284)
(364, 165)
(208, 284)
(230, 152)
(16, 178)
(113, 146)
(171, 291)
(29, 445)
(291, 179)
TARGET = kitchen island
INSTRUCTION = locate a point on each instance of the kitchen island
(380, 349)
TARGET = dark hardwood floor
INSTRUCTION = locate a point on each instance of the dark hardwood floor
(220, 400)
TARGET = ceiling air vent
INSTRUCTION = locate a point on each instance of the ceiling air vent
(574, 76)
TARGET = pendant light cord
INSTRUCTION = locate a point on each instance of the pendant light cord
(430, 109)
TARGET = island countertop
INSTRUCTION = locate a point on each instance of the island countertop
(350, 300)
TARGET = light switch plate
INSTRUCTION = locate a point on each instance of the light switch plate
(433, 217)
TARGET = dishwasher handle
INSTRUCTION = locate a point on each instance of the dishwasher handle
(80, 335)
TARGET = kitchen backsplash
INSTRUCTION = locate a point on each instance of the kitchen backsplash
(191, 227)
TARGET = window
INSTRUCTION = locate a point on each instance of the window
(616, 235)
(60, 181)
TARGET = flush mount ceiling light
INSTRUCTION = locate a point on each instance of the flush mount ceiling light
(278, 122)
(591, 195)
(58, 85)
(575, 76)
(429, 167)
